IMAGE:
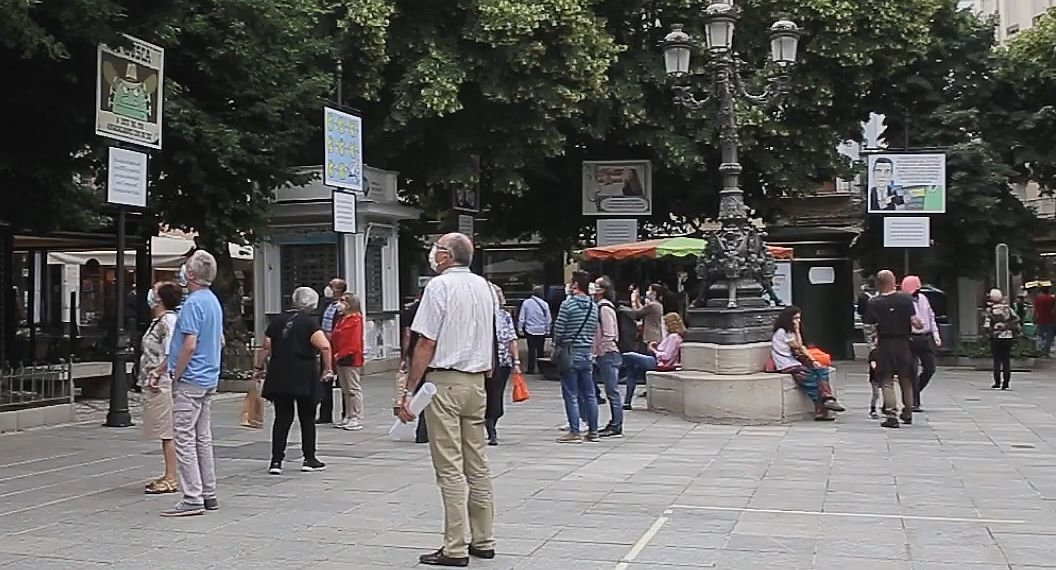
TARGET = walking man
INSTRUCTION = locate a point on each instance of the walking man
(893, 314)
(925, 338)
(607, 354)
(1045, 318)
(334, 291)
(455, 349)
(534, 323)
(194, 365)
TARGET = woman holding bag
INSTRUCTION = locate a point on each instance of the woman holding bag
(293, 345)
(347, 338)
(508, 360)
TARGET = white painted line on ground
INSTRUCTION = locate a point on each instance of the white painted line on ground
(63, 500)
(74, 466)
(643, 541)
(61, 483)
(853, 515)
(28, 461)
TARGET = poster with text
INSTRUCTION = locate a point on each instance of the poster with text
(128, 92)
(907, 182)
(342, 150)
(617, 187)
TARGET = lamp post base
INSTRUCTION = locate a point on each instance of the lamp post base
(118, 416)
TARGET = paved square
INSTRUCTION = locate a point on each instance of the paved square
(970, 486)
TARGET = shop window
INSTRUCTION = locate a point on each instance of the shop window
(306, 266)
(515, 270)
(375, 272)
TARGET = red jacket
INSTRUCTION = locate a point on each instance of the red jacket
(347, 339)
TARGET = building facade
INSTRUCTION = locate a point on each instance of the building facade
(1013, 16)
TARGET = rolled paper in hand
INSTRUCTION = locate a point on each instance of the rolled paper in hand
(405, 432)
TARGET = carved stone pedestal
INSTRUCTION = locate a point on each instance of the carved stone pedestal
(725, 384)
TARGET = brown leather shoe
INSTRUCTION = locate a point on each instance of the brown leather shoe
(438, 558)
(486, 554)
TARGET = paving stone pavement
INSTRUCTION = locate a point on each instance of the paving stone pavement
(970, 486)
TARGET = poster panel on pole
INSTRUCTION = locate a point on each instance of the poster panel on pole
(617, 187)
(344, 212)
(613, 231)
(465, 225)
(912, 183)
(126, 178)
(129, 92)
(342, 150)
(907, 231)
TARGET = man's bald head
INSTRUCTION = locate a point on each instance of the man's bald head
(459, 246)
(885, 280)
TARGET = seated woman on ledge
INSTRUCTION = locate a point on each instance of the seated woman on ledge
(663, 356)
(790, 356)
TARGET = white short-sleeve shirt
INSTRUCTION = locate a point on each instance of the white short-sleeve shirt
(457, 311)
(780, 351)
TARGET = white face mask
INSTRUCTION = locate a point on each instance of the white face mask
(592, 289)
(182, 278)
(328, 292)
(432, 259)
(152, 299)
(651, 296)
(568, 289)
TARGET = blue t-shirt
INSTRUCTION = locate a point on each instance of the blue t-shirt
(200, 315)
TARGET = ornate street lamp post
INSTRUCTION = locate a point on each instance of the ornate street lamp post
(736, 268)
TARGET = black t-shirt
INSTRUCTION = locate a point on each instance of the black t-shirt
(293, 369)
(892, 314)
(408, 319)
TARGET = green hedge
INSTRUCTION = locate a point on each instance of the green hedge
(1024, 347)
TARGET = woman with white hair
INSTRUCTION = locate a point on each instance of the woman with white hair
(1003, 326)
(508, 360)
(293, 347)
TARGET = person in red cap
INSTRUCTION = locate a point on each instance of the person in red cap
(924, 338)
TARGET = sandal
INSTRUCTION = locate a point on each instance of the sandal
(162, 486)
(152, 482)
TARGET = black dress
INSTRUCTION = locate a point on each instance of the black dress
(293, 370)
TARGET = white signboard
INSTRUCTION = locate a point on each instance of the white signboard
(344, 212)
(907, 231)
(342, 150)
(126, 178)
(616, 231)
(782, 284)
(617, 187)
(128, 92)
(907, 182)
(465, 225)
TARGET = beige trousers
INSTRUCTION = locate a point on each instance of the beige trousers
(456, 442)
(351, 391)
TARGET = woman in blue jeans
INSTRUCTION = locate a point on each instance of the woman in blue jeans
(577, 320)
(665, 355)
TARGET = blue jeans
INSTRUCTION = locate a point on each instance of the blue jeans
(1045, 337)
(609, 375)
(637, 365)
(577, 389)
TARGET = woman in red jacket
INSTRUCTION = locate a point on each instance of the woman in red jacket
(347, 341)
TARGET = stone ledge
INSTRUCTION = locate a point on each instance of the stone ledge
(746, 399)
(18, 420)
(725, 358)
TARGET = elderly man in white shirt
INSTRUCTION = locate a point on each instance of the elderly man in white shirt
(456, 321)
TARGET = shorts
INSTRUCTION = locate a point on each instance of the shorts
(894, 358)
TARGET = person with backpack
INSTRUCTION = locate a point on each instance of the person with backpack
(607, 354)
(533, 323)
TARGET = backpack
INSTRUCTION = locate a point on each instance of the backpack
(626, 328)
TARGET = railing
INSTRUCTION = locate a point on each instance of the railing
(1044, 207)
(35, 386)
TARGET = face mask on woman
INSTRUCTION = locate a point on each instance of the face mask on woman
(650, 295)
(592, 289)
(328, 292)
(152, 299)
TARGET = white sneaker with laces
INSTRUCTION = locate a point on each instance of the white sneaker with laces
(353, 425)
(340, 424)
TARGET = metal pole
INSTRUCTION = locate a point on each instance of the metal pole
(342, 267)
(118, 415)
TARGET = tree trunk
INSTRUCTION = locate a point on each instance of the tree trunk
(237, 356)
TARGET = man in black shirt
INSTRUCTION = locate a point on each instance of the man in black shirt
(892, 312)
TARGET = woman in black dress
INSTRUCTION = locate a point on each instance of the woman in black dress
(295, 345)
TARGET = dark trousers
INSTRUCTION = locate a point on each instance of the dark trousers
(923, 347)
(280, 430)
(421, 435)
(1001, 349)
(495, 388)
(536, 343)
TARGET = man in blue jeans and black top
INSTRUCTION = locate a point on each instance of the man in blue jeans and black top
(577, 321)
(607, 353)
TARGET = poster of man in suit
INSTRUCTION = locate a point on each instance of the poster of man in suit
(907, 182)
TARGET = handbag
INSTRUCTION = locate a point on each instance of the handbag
(561, 355)
(520, 388)
(253, 407)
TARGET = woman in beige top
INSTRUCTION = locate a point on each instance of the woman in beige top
(163, 299)
(652, 315)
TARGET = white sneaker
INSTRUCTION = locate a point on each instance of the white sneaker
(582, 427)
(341, 423)
(353, 425)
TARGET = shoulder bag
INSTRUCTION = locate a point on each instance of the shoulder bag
(561, 354)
